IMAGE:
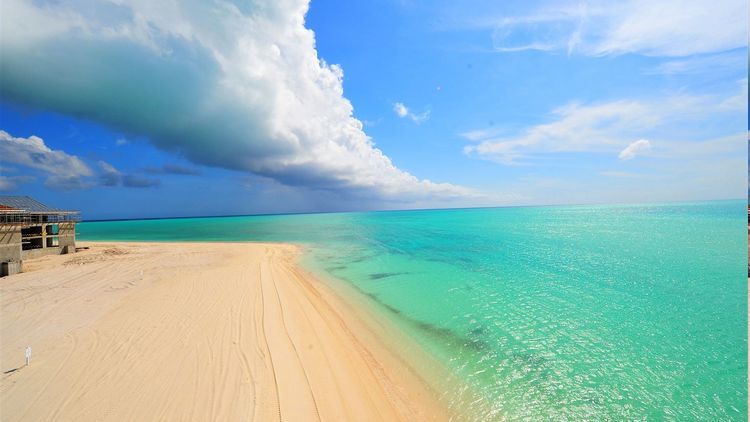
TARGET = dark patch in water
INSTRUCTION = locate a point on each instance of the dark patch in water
(531, 359)
(442, 334)
(340, 267)
(535, 362)
(378, 276)
(478, 331)
(436, 331)
(477, 345)
(385, 305)
(452, 260)
(450, 337)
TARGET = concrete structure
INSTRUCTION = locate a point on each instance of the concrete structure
(30, 229)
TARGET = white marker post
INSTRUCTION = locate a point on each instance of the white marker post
(28, 355)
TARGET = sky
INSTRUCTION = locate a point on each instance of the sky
(133, 108)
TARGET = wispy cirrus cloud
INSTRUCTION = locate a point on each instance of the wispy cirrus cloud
(655, 28)
(613, 127)
(573, 128)
(718, 63)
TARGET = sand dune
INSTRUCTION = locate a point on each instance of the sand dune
(193, 332)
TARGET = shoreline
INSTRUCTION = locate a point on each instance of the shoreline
(386, 326)
(199, 330)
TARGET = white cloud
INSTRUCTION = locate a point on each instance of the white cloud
(609, 127)
(121, 141)
(62, 170)
(634, 149)
(237, 86)
(574, 128)
(656, 28)
(402, 111)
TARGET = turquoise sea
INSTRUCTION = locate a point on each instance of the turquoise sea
(617, 312)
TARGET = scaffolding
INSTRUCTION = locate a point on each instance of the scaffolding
(22, 217)
(24, 210)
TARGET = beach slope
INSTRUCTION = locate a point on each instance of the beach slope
(203, 331)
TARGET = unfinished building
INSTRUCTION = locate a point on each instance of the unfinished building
(30, 229)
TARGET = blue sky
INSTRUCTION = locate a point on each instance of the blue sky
(141, 110)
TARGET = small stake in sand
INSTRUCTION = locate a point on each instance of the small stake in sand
(28, 355)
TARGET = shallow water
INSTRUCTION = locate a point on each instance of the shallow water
(555, 313)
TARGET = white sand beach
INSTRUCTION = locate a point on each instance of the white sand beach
(194, 331)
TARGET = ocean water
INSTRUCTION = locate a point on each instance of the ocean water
(619, 312)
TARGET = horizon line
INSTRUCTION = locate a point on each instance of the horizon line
(413, 209)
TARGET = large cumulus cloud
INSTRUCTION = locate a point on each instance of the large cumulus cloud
(231, 85)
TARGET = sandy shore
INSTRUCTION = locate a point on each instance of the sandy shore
(129, 331)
